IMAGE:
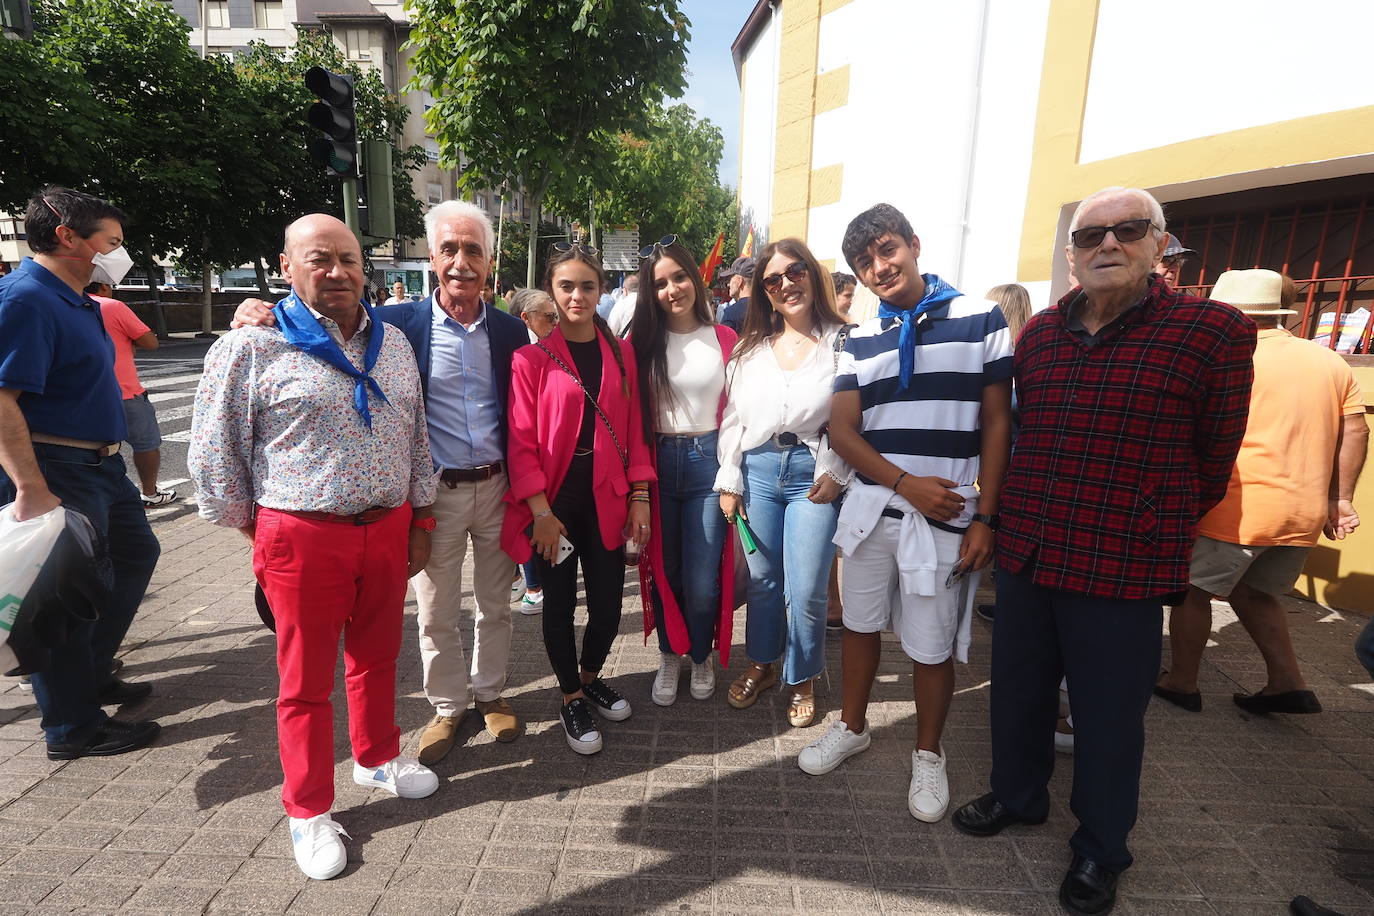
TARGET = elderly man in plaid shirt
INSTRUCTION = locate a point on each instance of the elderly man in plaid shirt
(1133, 404)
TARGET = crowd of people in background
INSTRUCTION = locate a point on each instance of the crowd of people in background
(835, 473)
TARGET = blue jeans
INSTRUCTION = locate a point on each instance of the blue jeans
(531, 576)
(693, 536)
(68, 691)
(789, 573)
(1364, 647)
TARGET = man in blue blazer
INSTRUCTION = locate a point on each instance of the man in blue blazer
(464, 350)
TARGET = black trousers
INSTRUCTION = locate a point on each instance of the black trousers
(603, 578)
(1109, 650)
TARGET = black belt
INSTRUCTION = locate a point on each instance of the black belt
(454, 476)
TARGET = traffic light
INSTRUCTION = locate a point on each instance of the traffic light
(333, 114)
(380, 220)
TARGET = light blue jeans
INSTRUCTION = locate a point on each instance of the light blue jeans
(789, 573)
(693, 536)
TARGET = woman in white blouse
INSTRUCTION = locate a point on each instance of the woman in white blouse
(777, 468)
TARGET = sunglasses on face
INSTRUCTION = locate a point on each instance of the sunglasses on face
(562, 247)
(794, 272)
(648, 250)
(1132, 230)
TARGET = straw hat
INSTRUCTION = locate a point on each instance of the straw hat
(1254, 292)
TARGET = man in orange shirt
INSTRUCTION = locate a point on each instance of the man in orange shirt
(145, 438)
(1294, 479)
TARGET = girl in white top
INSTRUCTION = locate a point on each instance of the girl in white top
(681, 353)
(777, 467)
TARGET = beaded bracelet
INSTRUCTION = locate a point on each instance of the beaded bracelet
(546, 512)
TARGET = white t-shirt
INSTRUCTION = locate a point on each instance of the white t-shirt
(765, 400)
(696, 372)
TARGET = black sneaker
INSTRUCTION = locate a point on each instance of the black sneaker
(119, 691)
(607, 701)
(112, 737)
(578, 724)
(986, 611)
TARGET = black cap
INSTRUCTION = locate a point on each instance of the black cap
(744, 267)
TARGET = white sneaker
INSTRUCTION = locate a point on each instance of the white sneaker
(703, 680)
(665, 682)
(404, 777)
(832, 749)
(532, 603)
(928, 797)
(319, 851)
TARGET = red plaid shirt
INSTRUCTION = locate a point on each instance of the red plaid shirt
(1124, 446)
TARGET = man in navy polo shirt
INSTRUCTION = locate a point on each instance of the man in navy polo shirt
(61, 422)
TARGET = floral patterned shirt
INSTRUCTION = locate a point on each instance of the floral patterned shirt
(277, 427)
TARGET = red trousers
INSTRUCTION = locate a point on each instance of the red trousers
(323, 579)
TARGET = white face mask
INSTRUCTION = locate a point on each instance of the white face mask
(111, 268)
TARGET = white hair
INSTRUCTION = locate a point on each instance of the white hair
(459, 209)
(528, 299)
(1156, 211)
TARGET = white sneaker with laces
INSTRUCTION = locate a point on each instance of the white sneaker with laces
(928, 797)
(703, 680)
(832, 749)
(319, 851)
(160, 497)
(665, 682)
(403, 777)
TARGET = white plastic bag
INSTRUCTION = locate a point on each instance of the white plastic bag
(24, 547)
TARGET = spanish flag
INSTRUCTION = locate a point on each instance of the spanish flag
(708, 266)
(747, 249)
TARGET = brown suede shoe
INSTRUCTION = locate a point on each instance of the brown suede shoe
(438, 737)
(500, 719)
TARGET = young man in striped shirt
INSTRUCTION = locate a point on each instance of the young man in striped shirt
(922, 410)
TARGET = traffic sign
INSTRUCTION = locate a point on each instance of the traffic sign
(620, 249)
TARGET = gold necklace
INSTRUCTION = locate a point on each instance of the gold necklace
(792, 350)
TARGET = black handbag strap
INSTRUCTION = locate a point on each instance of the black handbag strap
(605, 421)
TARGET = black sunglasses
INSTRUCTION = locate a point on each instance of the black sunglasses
(1133, 230)
(648, 250)
(794, 272)
(561, 247)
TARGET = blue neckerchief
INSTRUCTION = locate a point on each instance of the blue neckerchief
(304, 332)
(938, 292)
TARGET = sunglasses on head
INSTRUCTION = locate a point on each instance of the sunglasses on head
(794, 272)
(648, 250)
(562, 247)
(1132, 230)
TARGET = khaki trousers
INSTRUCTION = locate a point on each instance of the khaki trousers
(476, 511)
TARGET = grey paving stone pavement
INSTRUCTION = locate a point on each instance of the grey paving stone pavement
(696, 807)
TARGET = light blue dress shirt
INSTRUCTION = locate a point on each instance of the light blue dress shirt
(464, 414)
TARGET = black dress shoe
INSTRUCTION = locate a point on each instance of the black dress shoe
(1189, 701)
(110, 738)
(118, 691)
(1088, 888)
(986, 816)
(1303, 905)
(1292, 702)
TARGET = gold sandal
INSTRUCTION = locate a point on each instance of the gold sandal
(744, 692)
(801, 711)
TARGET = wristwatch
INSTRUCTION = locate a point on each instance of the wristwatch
(425, 524)
(993, 521)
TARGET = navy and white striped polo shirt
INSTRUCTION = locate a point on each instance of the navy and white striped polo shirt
(932, 428)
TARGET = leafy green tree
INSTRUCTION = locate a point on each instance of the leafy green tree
(529, 91)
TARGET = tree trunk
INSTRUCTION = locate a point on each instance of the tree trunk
(159, 316)
(535, 205)
(260, 268)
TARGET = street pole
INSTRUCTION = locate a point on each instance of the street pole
(350, 204)
(500, 224)
(207, 320)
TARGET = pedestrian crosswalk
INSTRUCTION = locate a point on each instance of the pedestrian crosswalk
(171, 375)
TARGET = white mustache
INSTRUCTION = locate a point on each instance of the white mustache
(460, 275)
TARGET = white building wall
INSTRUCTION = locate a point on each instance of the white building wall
(758, 130)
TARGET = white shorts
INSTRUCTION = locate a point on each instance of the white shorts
(928, 627)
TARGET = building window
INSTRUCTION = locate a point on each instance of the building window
(217, 14)
(267, 14)
(431, 149)
(226, 53)
(434, 192)
(357, 44)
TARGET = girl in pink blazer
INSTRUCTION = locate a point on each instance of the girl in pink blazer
(579, 483)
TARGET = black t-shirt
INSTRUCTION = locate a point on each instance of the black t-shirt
(587, 360)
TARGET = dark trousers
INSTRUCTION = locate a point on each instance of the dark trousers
(603, 577)
(1109, 650)
(1364, 647)
(67, 692)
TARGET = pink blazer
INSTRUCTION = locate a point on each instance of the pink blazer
(544, 418)
(651, 567)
